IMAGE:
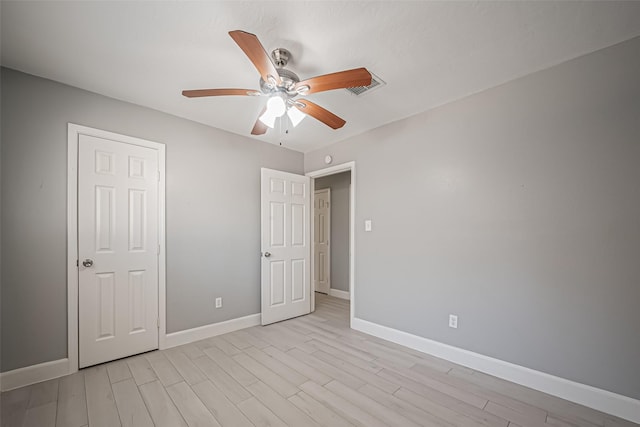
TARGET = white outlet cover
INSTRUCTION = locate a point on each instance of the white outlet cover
(367, 225)
(453, 321)
(219, 302)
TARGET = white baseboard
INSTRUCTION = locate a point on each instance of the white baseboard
(339, 294)
(57, 368)
(34, 374)
(203, 332)
(601, 400)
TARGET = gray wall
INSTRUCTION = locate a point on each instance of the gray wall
(518, 209)
(339, 243)
(213, 212)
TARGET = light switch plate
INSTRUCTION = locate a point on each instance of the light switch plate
(367, 225)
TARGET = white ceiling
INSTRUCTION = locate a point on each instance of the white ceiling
(428, 53)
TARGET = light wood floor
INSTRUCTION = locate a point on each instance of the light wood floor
(309, 371)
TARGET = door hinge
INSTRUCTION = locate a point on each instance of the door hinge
(158, 176)
(158, 249)
(158, 322)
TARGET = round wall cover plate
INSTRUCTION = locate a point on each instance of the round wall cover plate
(328, 159)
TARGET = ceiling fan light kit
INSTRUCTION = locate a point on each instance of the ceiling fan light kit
(282, 86)
(277, 107)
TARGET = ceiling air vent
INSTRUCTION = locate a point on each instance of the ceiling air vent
(376, 82)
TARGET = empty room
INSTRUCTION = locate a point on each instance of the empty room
(320, 213)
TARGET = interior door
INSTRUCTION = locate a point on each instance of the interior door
(285, 266)
(322, 231)
(117, 249)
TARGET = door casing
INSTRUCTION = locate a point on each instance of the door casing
(73, 133)
(343, 167)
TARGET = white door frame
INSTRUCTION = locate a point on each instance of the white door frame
(332, 170)
(73, 134)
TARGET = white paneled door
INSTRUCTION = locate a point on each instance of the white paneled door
(117, 249)
(322, 230)
(285, 204)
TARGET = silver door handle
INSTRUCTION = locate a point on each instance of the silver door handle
(267, 254)
(87, 262)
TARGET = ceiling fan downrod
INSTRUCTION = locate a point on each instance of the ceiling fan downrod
(281, 57)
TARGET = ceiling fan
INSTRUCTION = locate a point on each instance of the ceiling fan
(282, 86)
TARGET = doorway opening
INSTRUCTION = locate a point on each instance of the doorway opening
(333, 234)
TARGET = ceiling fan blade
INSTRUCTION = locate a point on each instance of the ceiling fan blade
(252, 47)
(339, 80)
(219, 92)
(259, 128)
(319, 113)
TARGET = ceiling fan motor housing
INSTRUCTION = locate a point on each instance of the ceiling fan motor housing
(289, 80)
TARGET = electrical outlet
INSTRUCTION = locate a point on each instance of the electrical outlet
(367, 225)
(453, 321)
(219, 302)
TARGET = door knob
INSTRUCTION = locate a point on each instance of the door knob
(267, 254)
(87, 262)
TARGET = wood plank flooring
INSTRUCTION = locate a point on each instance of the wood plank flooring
(309, 371)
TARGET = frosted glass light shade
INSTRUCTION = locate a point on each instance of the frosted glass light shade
(276, 106)
(295, 115)
(268, 119)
